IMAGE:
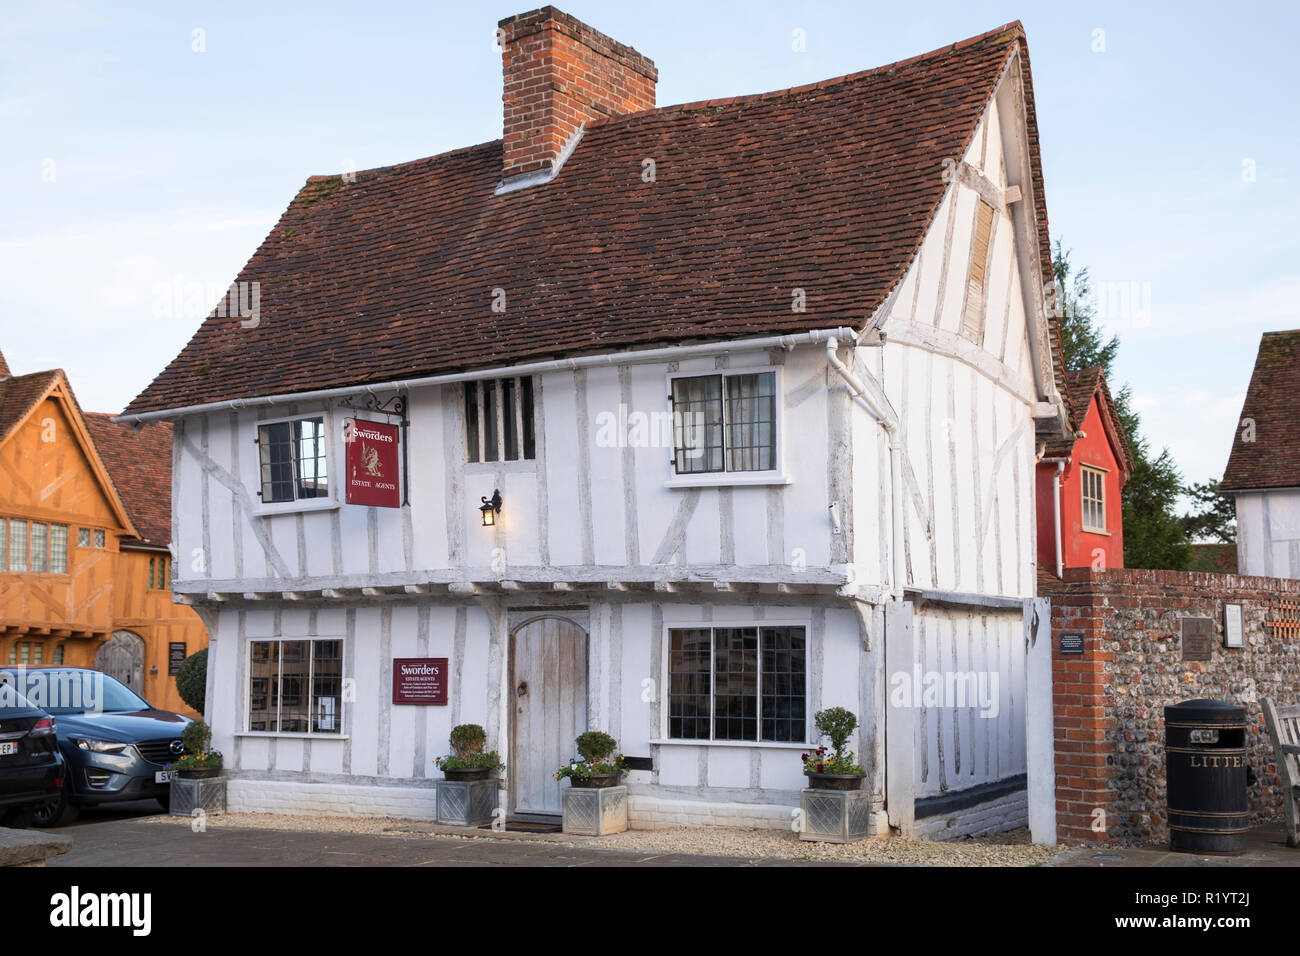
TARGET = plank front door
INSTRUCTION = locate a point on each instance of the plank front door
(548, 687)
(122, 656)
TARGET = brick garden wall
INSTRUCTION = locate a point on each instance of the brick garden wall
(1109, 701)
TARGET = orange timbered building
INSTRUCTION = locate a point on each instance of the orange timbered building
(85, 523)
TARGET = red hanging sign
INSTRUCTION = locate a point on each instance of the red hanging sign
(372, 464)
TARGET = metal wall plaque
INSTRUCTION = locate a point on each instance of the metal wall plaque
(1198, 638)
(1232, 631)
(1070, 644)
(175, 657)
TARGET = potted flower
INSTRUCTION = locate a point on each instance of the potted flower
(837, 768)
(198, 761)
(598, 765)
(468, 760)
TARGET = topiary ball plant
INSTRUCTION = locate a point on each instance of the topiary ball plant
(192, 680)
(595, 746)
(467, 740)
(837, 725)
(196, 736)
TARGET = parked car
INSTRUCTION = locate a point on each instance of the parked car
(31, 769)
(115, 744)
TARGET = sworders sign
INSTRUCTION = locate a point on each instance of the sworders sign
(419, 680)
(372, 464)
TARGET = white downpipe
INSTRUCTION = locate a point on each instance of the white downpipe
(888, 420)
(633, 357)
(1056, 510)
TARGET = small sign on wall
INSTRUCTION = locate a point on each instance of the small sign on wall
(372, 463)
(175, 657)
(1198, 638)
(420, 680)
(1070, 643)
(1232, 631)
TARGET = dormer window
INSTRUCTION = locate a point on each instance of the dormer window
(293, 459)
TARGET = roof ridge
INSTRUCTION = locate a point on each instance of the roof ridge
(450, 154)
(1014, 27)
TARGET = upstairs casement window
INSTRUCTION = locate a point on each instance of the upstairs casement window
(1093, 481)
(33, 546)
(724, 423)
(499, 422)
(293, 458)
(972, 321)
(738, 684)
(86, 535)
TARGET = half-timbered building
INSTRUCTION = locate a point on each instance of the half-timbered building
(85, 525)
(679, 423)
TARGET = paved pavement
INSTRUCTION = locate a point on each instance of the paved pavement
(121, 836)
(134, 842)
(1265, 846)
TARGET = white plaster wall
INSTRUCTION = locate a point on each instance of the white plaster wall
(1268, 533)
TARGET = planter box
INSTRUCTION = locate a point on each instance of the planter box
(197, 793)
(835, 816)
(594, 811)
(467, 803)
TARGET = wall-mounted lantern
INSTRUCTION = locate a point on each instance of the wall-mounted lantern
(490, 508)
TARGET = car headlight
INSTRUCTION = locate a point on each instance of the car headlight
(99, 746)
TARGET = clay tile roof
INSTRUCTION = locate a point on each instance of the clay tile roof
(140, 465)
(4, 367)
(1080, 387)
(1272, 460)
(828, 187)
(19, 394)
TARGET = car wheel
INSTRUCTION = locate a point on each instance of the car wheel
(58, 812)
(165, 801)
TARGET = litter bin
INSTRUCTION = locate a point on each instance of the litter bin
(1205, 772)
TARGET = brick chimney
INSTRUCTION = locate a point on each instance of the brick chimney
(559, 74)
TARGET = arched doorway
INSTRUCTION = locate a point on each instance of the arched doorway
(122, 657)
(548, 687)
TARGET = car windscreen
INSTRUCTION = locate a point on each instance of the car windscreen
(79, 692)
(10, 699)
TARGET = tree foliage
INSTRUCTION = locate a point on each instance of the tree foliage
(1154, 534)
(192, 680)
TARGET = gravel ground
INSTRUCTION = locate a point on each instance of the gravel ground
(1004, 849)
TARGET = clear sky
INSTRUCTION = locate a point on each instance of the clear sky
(141, 161)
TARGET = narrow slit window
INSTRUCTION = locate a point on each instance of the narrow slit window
(972, 325)
(499, 420)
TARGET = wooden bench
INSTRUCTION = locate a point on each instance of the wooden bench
(1284, 728)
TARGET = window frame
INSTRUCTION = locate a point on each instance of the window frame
(711, 741)
(327, 502)
(1101, 473)
(246, 690)
(776, 475)
(29, 526)
(480, 429)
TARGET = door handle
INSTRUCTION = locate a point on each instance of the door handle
(522, 689)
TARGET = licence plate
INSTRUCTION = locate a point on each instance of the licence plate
(164, 776)
(8, 749)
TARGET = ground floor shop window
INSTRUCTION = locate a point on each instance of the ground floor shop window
(295, 687)
(737, 683)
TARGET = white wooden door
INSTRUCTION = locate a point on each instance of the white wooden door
(549, 688)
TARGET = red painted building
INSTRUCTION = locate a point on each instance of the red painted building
(1079, 479)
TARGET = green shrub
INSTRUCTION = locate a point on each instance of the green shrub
(192, 680)
(196, 737)
(467, 740)
(594, 746)
(837, 725)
